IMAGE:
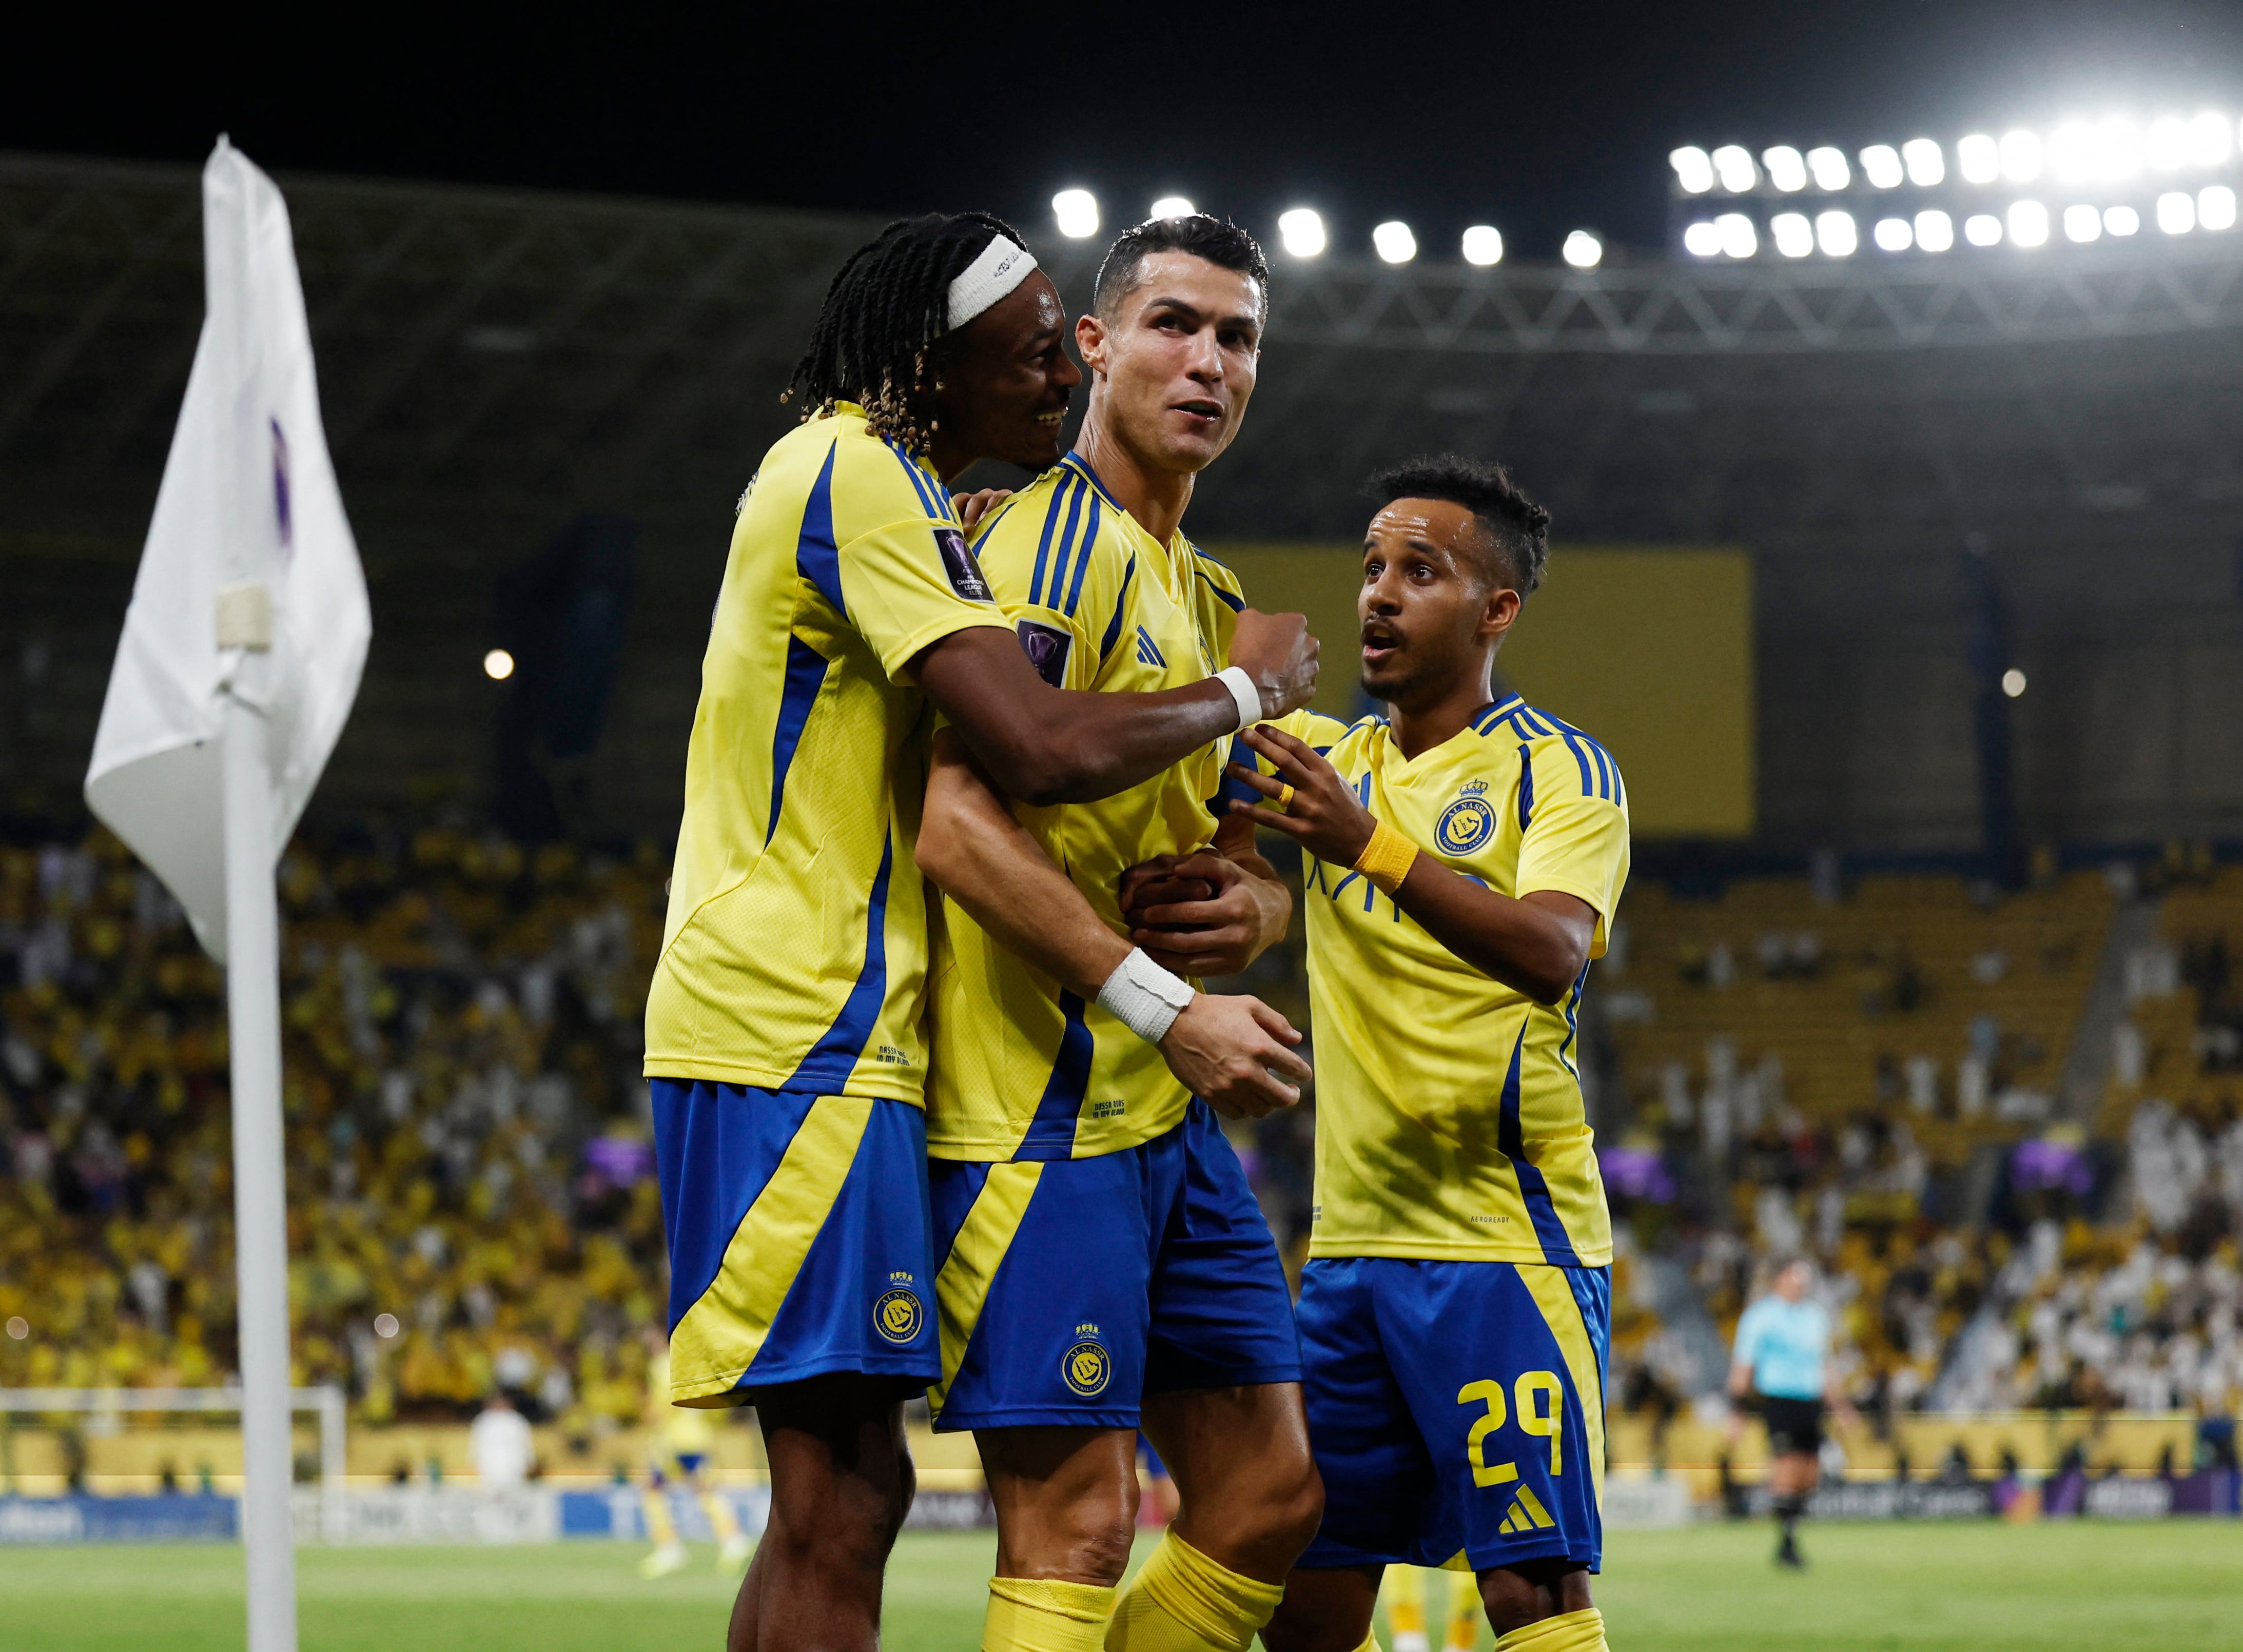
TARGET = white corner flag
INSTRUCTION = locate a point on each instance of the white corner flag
(240, 657)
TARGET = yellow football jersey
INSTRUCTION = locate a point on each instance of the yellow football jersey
(1023, 1069)
(1448, 1116)
(795, 953)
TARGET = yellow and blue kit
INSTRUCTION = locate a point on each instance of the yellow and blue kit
(1456, 1308)
(1095, 1233)
(783, 1026)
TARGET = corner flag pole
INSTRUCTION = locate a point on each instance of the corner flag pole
(260, 1213)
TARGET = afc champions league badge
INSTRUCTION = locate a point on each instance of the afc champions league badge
(1086, 1368)
(897, 1315)
(1466, 824)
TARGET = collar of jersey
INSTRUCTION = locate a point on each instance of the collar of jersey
(1076, 462)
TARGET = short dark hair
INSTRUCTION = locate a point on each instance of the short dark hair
(1219, 241)
(886, 306)
(1519, 528)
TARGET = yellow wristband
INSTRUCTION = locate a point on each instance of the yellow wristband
(1386, 859)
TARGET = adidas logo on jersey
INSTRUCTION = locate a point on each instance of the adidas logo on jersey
(1527, 1514)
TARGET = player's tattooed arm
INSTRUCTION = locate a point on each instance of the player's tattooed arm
(1211, 912)
(1537, 942)
(1045, 745)
(1235, 1051)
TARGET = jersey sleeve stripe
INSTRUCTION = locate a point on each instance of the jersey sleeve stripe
(1051, 1132)
(1525, 786)
(1114, 625)
(817, 558)
(1043, 547)
(1066, 544)
(827, 1068)
(1236, 605)
(805, 675)
(1082, 557)
(918, 481)
(1589, 781)
(1533, 1191)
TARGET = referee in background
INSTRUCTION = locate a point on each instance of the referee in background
(1782, 1341)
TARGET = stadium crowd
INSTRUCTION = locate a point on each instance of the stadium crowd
(474, 1206)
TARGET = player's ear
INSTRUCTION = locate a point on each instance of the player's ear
(1501, 610)
(1090, 343)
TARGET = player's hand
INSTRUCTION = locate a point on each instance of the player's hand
(971, 508)
(1235, 1054)
(1277, 652)
(1322, 813)
(1200, 916)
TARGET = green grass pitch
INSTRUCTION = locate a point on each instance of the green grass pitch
(1987, 1587)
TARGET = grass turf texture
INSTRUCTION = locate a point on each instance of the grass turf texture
(1988, 1588)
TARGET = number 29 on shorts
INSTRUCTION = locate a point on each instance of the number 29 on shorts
(1540, 1404)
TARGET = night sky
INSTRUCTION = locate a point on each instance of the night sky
(1537, 119)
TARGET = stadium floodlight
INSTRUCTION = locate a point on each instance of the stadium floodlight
(2121, 220)
(1173, 206)
(2210, 141)
(1483, 245)
(2028, 224)
(498, 665)
(1983, 229)
(1927, 163)
(2021, 156)
(2177, 212)
(1076, 212)
(1934, 231)
(2117, 148)
(1978, 158)
(2215, 207)
(1739, 235)
(2081, 223)
(1787, 168)
(1828, 165)
(2072, 153)
(1793, 234)
(2013, 682)
(1894, 234)
(1693, 169)
(1584, 250)
(1393, 242)
(1880, 166)
(1301, 231)
(1835, 234)
(1733, 165)
(1701, 240)
(2166, 147)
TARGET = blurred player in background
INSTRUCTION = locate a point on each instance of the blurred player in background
(783, 1028)
(1782, 1342)
(1408, 1591)
(1462, 863)
(680, 1444)
(1107, 1266)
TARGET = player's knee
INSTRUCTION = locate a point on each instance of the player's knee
(1295, 1507)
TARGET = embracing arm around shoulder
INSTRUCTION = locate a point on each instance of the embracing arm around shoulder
(1537, 942)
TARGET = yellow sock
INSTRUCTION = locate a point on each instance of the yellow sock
(721, 1520)
(1463, 1613)
(1182, 1602)
(1041, 1614)
(659, 1526)
(1582, 1631)
(1405, 1608)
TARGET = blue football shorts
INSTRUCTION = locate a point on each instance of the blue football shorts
(1456, 1410)
(799, 1243)
(1070, 1288)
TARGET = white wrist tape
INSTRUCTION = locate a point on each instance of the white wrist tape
(1244, 691)
(1143, 996)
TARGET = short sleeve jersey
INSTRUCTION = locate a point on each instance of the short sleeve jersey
(1784, 1344)
(795, 953)
(1449, 1122)
(1024, 1069)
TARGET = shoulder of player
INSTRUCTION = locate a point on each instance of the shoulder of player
(1056, 541)
(1512, 722)
(1216, 578)
(875, 482)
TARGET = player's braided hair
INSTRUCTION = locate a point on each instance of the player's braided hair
(1518, 527)
(874, 338)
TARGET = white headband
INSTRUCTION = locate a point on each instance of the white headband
(1002, 266)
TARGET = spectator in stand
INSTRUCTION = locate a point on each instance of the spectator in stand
(1783, 1342)
(499, 1443)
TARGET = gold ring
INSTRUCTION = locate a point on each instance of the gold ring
(1285, 795)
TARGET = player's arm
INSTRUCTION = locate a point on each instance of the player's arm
(1235, 1052)
(1536, 942)
(1045, 745)
(1211, 912)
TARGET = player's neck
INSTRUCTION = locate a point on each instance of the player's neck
(1154, 499)
(1416, 730)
